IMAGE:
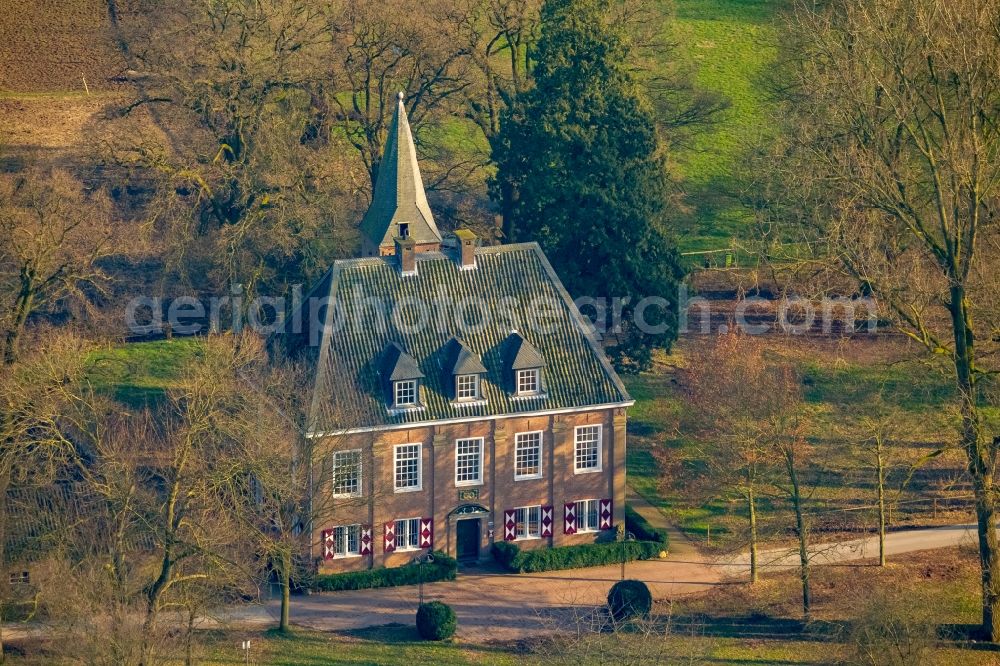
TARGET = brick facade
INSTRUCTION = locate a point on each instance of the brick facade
(438, 497)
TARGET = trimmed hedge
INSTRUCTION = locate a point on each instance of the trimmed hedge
(628, 599)
(641, 528)
(514, 559)
(435, 621)
(442, 568)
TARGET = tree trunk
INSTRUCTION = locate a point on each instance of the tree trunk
(4, 584)
(508, 198)
(880, 473)
(285, 574)
(981, 455)
(189, 639)
(22, 308)
(752, 509)
(802, 528)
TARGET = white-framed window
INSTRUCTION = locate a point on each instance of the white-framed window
(347, 473)
(588, 515)
(587, 454)
(408, 534)
(347, 541)
(408, 467)
(528, 381)
(469, 462)
(528, 455)
(467, 387)
(528, 522)
(19, 578)
(404, 393)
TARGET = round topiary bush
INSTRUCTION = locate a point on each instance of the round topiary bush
(435, 621)
(628, 599)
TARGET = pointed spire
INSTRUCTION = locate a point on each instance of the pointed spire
(399, 205)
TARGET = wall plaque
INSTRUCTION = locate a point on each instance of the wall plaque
(468, 494)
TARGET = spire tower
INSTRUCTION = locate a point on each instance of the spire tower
(399, 207)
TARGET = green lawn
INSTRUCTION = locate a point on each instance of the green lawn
(730, 44)
(141, 372)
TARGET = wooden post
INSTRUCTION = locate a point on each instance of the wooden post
(85, 87)
(708, 534)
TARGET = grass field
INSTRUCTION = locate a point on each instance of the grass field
(730, 43)
(141, 372)
(666, 467)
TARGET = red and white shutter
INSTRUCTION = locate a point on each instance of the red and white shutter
(389, 543)
(509, 525)
(607, 515)
(548, 514)
(569, 518)
(366, 540)
(426, 532)
(329, 545)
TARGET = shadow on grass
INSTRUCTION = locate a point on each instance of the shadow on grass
(391, 634)
(764, 627)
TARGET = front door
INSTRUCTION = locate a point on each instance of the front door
(467, 539)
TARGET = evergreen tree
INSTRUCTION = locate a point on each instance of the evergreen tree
(580, 156)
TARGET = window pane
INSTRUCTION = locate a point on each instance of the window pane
(527, 522)
(414, 532)
(528, 454)
(588, 444)
(400, 534)
(347, 473)
(468, 457)
(406, 393)
(527, 381)
(467, 387)
(407, 466)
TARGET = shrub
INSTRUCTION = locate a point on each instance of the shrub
(628, 599)
(512, 558)
(435, 621)
(442, 568)
(641, 528)
(892, 630)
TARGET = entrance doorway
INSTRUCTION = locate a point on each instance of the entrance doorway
(467, 533)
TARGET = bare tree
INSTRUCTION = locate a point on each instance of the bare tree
(384, 47)
(890, 163)
(242, 195)
(32, 398)
(55, 236)
(736, 413)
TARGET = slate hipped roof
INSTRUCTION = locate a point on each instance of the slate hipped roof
(399, 195)
(505, 311)
(521, 355)
(511, 285)
(462, 361)
(397, 364)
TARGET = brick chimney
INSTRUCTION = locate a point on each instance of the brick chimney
(406, 255)
(466, 249)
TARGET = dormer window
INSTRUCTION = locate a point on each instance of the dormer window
(463, 371)
(467, 387)
(404, 229)
(405, 393)
(523, 367)
(528, 381)
(401, 378)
